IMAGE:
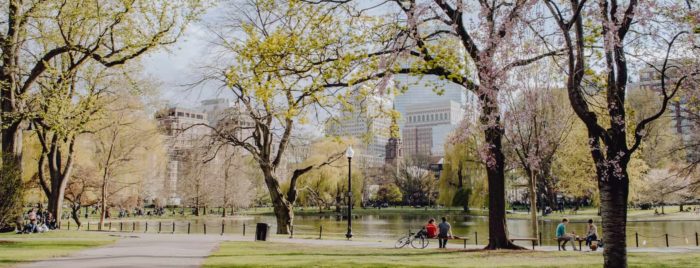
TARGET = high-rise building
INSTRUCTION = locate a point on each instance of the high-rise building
(428, 89)
(428, 125)
(215, 109)
(227, 116)
(368, 124)
(183, 133)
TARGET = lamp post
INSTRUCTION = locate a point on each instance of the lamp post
(349, 153)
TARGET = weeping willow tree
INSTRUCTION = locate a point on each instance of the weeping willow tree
(463, 178)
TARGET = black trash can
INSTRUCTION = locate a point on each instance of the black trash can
(262, 231)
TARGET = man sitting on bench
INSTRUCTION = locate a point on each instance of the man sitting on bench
(563, 236)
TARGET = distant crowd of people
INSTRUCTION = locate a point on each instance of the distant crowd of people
(37, 220)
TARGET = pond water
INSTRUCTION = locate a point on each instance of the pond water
(391, 226)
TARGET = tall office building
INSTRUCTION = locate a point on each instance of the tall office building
(215, 109)
(428, 89)
(428, 125)
(368, 125)
(182, 134)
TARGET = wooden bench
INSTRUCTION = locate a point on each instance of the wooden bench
(532, 239)
(464, 239)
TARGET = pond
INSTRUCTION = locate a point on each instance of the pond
(391, 226)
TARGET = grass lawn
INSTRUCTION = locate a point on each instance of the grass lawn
(16, 249)
(252, 254)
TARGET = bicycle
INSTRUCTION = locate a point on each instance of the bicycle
(419, 241)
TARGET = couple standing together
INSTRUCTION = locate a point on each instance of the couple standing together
(442, 231)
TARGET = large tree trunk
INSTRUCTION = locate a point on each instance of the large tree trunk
(56, 203)
(495, 171)
(498, 230)
(613, 200)
(283, 209)
(285, 216)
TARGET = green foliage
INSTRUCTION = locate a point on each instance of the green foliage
(462, 197)
(325, 185)
(389, 193)
(462, 160)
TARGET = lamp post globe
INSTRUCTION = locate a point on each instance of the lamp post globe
(349, 153)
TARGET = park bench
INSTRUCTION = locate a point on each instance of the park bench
(464, 239)
(531, 239)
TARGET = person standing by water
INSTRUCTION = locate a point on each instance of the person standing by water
(445, 232)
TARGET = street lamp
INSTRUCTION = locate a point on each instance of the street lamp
(349, 153)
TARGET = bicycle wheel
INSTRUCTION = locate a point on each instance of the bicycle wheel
(402, 242)
(420, 242)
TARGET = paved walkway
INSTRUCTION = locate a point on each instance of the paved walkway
(142, 250)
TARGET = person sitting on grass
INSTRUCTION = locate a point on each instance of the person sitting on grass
(592, 233)
(563, 236)
(50, 221)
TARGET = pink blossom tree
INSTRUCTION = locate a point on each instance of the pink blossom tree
(643, 31)
(476, 45)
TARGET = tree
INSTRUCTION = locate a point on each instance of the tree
(618, 30)
(42, 34)
(289, 58)
(324, 186)
(235, 190)
(436, 38)
(122, 147)
(389, 193)
(537, 124)
(199, 174)
(415, 180)
(67, 104)
(81, 191)
(462, 169)
(662, 186)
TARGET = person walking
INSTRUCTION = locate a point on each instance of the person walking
(445, 232)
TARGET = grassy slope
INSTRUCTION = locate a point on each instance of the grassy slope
(17, 249)
(251, 254)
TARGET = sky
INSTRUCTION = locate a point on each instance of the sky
(179, 64)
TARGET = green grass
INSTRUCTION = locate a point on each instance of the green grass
(265, 254)
(17, 249)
